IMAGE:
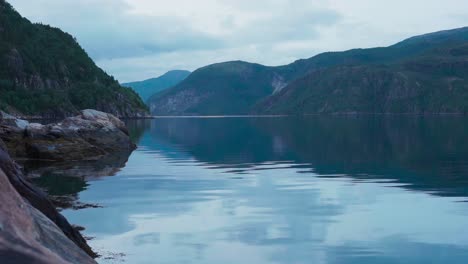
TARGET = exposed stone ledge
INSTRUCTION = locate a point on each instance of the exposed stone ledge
(88, 136)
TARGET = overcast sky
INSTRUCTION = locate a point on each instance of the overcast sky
(138, 39)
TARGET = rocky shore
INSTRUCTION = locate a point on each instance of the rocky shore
(31, 228)
(88, 136)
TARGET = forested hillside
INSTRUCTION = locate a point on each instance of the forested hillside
(45, 72)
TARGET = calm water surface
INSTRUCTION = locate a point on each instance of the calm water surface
(280, 190)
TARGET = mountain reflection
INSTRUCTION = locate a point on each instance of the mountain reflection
(425, 153)
(285, 190)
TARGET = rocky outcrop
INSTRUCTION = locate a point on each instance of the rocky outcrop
(31, 229)
(7, 119)
(91, 135)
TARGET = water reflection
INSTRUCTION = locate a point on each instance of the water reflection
(63, 181)
(286, 190)
(428, 153)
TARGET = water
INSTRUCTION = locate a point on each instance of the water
(278, 190)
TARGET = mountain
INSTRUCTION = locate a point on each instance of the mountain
(149, 87)
(229, 88)
(223, 89)
(44, 72)
(423, 74)
(435, 81)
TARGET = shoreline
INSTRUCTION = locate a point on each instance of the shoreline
(307, 115)
(353, 114)
(91, 136)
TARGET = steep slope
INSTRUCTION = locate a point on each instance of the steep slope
(44, 72)
(241, 87)
(149, 87)
(435, 82)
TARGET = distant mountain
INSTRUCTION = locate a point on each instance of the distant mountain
(423, 74)
(45, 72)
(224, 88)
(149, 87)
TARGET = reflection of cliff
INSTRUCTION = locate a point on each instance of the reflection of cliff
(427, 153)
(64, 180)
(107, 166)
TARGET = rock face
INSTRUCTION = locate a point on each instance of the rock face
(31, 229)
(88, 136)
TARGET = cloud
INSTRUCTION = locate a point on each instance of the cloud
(107, 28)
(137, 39)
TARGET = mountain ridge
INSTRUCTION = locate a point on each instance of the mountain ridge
(238, 87)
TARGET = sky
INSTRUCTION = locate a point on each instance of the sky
(139, 39)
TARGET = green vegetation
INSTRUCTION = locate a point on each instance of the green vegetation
(150, 87)
(44, 71)
(423, 74)
(220, 89)
(432, 82)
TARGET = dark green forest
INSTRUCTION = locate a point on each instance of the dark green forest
(44, 71)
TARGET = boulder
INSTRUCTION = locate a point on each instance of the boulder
(12, 121)
(31, 229)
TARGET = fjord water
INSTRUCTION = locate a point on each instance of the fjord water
(284, 190)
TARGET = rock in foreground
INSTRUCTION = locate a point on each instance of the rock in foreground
(88, 136)
(31, 229)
